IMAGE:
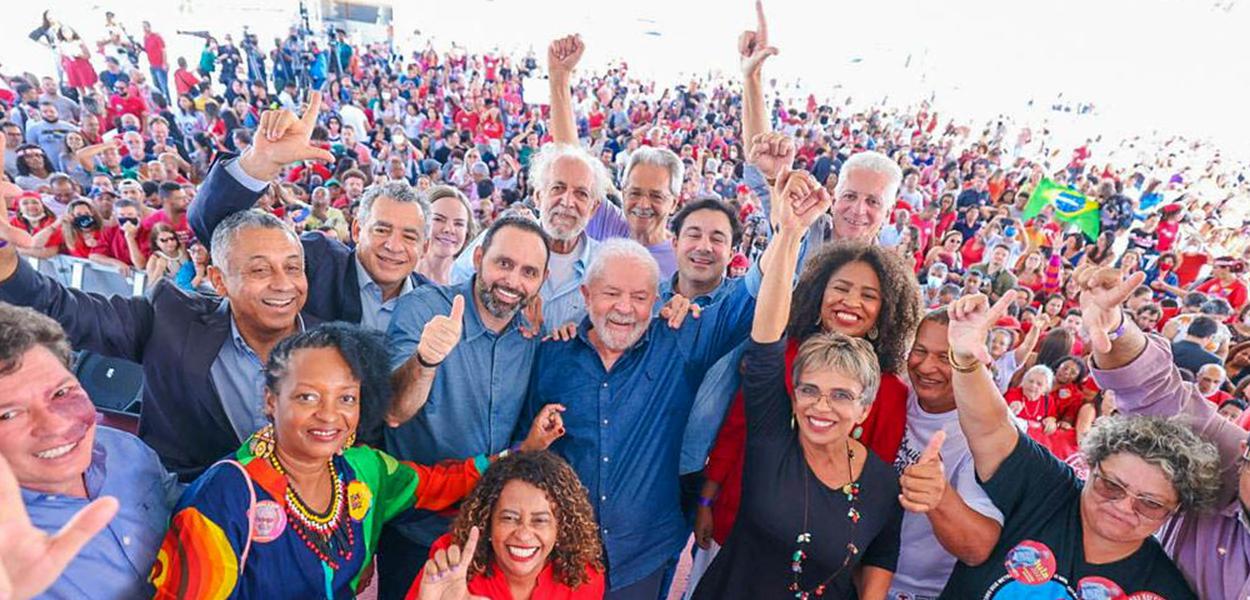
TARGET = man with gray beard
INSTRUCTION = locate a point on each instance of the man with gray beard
(569, 184)
(460, 365)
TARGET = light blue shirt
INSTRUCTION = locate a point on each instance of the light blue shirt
(376, 314)
(561, 305)
(116, 562)
(477, 394)
(238, 374)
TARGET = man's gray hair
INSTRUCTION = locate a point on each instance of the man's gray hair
(1191, 464)
(658, 157)
(543, 162)
(230, 228)
(873, 162)
(617, 249)
(398, 191)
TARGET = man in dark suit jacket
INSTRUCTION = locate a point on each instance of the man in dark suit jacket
(1191, 353)
(358, 286)
(190, 411)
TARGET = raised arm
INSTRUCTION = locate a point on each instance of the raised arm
(1139, 369)
(983, 414)
(562, 57)
(113, 326)
(1030, 339)
(86, 155)
(753, 50)
(799, 200)
(281, 138)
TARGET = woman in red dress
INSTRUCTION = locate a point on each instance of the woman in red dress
(540, 540)
(76, 60)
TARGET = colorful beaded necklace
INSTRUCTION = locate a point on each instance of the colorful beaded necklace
(804, 539)
(328, 535)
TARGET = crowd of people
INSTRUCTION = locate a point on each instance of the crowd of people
(404, 330)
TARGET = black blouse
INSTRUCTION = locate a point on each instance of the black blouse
(756, 559)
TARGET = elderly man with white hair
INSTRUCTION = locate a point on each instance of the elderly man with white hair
(568, 185)
(868, 182)
(1210, 378)
(652, 176)
(629, 382)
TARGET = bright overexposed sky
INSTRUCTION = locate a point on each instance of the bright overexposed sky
(1168, 65)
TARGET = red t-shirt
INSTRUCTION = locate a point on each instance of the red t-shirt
(113, 244)
(182, 228)
(1030, 410)
(1219, 397)
(1234, 292)
(495, 586)
(1166, 236)
(154, 45)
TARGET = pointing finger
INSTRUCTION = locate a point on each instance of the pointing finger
(760, 22)
(313, 111)
(470, 546)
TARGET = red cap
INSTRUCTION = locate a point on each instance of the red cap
(1171, 208)
(739, 261)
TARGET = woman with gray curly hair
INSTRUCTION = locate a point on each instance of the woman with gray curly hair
(1211, 549)
(1063, 537)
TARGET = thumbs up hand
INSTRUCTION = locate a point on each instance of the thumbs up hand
(924, 483)
(441, 334)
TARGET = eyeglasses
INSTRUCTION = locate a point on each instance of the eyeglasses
(1113, 491)
(837, 398)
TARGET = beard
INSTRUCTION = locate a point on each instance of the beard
(616, 340)
(563, 233)
(500, 309)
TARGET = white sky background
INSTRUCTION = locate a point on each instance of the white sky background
(1172, 65)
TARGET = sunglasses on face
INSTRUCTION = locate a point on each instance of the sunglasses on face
(1113, 491)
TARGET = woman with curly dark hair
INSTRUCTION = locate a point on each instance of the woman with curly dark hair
(542, 540)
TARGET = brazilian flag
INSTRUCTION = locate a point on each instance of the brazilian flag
(1071, 206)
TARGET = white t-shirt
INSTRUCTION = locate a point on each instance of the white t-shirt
(352, 115)
(560, 267)
(1004, 368)
(923, 565)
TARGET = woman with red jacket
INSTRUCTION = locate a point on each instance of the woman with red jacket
(856, 289)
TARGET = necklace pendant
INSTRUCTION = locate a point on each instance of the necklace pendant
(852, 549)
(804, 538)
(853, 515)
(820, 590)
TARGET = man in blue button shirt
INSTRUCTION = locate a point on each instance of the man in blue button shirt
(460, 358)
(63, 461)
(629, 383)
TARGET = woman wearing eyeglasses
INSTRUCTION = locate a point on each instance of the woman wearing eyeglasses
(820, 514)
(1211, 549)
(1061, 537)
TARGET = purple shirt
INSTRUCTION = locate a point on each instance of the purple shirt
(609, 222)
(1212, 550)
